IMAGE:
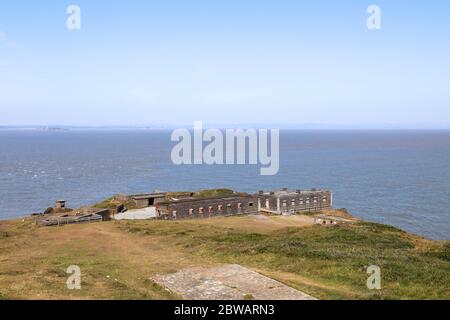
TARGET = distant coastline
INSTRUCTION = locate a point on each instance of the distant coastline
(283, 126)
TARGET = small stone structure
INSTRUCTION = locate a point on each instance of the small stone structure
(61, 207)
(60, 204)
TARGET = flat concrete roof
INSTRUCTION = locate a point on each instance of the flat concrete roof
(147, 196)
(184, 200)
(137, 214)
(292, 192)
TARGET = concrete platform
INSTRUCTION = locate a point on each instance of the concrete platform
(227, 282)
(137, 214)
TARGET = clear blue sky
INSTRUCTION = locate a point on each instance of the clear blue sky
(225, 61)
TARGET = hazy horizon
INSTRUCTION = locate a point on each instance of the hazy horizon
(285, 126)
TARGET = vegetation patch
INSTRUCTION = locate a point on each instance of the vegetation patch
(212, 193)
(337, 256)
(109, 203)
(118, 258)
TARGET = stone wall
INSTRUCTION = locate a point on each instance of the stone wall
(292, 202)
(210, 207)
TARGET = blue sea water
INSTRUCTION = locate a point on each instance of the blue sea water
(400, 178)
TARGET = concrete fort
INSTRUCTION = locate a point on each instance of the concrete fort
(282, 202)
(188, 205)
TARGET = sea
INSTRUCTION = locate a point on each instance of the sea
(401, 178)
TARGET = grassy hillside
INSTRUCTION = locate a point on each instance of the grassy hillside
(118, 258)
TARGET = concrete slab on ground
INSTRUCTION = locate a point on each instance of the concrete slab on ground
(227, 282)
(137, 214)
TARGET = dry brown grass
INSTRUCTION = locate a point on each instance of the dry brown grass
(114, 263)
(117, 259)
(255, 223)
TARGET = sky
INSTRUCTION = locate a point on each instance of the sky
(225, 61)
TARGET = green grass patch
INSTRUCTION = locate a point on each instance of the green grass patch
(211, 193)
(337, 257)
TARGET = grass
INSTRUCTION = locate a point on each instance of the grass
(335, 259)
(248, 296)
(108, 203)
(112, 202)
(117, 259)
(211, 193)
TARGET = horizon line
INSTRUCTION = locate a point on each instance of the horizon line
(285, 126)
